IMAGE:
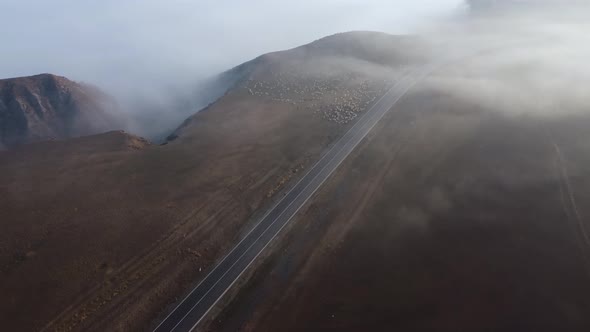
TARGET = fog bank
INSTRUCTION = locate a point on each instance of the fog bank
(148, 53)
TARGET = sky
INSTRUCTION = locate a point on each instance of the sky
(121, 45)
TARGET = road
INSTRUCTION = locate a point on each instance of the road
(187, 315)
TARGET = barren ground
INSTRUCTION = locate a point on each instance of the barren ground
(105, 233)
(449, 217)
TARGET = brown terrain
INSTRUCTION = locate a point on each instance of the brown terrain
(107, 232)
(453, 215)
(46, 107)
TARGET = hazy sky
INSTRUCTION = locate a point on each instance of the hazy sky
(118, 42)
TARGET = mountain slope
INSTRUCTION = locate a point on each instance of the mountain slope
(44, 107)
(98, 236)
(335, 77)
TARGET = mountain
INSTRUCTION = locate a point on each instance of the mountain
(47, 107)
(353, 52)
(335, 77)
(100, 220)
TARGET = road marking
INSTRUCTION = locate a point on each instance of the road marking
(572, 198)
(363, 121)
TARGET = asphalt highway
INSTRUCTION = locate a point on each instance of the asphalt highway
(189, 313)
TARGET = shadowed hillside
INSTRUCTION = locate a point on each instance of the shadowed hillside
(45, 107)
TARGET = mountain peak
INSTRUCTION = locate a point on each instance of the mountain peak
(47, 106)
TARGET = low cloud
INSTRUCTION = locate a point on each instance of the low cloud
(150, 53)
(535, 59)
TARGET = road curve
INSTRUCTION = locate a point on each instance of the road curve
(187, 315)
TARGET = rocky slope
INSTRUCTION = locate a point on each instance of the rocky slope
(46, 107)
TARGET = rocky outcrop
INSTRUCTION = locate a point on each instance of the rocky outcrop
(47, 107)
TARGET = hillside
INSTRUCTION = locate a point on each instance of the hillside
(100, 236)
(48, 107)
(334, 78)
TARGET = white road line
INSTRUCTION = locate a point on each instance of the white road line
(572, 198)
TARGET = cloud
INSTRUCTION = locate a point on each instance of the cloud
(119, 43)
(147, 52)
(540, 67)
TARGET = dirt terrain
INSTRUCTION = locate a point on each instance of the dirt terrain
(106, 232)
(451, 216)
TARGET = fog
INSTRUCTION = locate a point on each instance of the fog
(159, 39)
(154, 55)
(147, 53)
(534, 60)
